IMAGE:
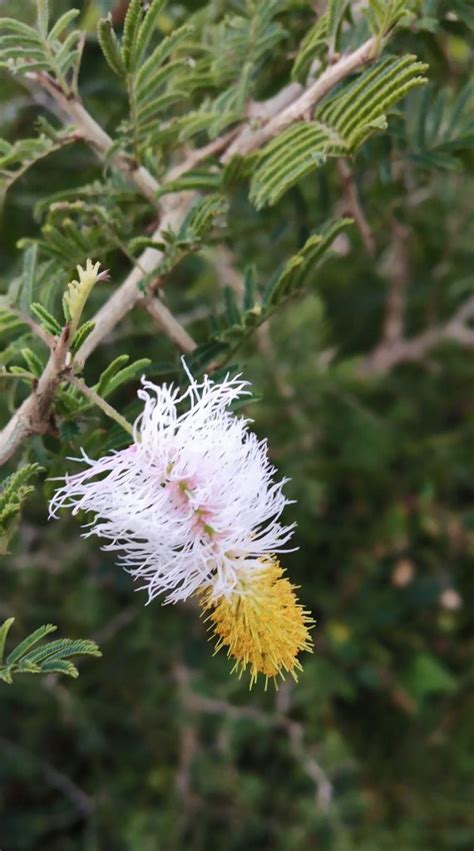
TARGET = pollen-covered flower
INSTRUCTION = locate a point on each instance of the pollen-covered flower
(262, 624)
(191, 506)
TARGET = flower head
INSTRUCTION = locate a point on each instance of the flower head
(191, 506)
(262, 624)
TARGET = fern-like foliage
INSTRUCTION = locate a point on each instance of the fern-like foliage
(220, 61)
(35, 656)
(339, 127)
(152, 80)
(239, 320)
(14, 490)
(384, 15)
(313, 46)
(18, 157)
(25, 49)
(440, 127)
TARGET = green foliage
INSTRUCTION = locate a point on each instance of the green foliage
(26, 50)
(340, 126)
(152, 83)
(51, 657)
(17, 158)
(118, 372)
(13, 492)
(157, 745)
(384, 15)
(312, 47)
(440, 127)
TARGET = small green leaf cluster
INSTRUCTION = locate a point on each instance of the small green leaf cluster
(26, 50)
(34, 656)
(13, 492)
(339, 127)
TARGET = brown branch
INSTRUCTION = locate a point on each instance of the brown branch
(398, 274)
(32, 417)
(199, 154)
(294, 730)
(94, 134)
(278, 112)
(37, 329)
(169, 324)
(388, 354)
(249, 140)
(83, 804)
(352, 206)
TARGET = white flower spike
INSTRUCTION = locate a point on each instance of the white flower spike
(191, 506)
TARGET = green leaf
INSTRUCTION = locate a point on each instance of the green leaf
(293, 275)
(15, 489)
(30, 260)
(335, 13)
(81, 334)
(339, 127)
(109, 373)
(42, 13)
(46, 319)
(33, 362)
(4, 629)
(110, 46)
(130, 31)
(62, 24)
(146, 31)
(19, 28)
(51, 656)
(60, 666)
(29, 642)
(126, 374)
(313, 45)
(62, 648)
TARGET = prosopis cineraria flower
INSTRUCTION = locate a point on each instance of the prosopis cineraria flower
(192, 508)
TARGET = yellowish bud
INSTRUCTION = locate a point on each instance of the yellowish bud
(261, 623)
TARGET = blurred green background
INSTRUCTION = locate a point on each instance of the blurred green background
(155, 746)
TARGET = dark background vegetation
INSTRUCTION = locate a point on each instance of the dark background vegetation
(155, 746)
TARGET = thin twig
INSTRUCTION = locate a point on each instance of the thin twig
(32, 417)
(94, 134)
(37, 329)
(353, 207)
(97, 400)
(294, 730)
(387, 355)
(279, 112)
(249, 140)
(169, 324)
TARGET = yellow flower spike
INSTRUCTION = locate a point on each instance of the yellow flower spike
(261, 623)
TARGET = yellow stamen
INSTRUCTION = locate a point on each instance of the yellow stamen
(261, 623)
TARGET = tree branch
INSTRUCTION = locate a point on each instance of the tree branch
(294, 730)
(249, 140)
(352, 206)
(388, 354)
(289, 105)
(94, 134)
(169, 325)
(101, 403)
(32, 417)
